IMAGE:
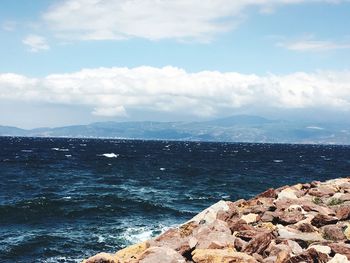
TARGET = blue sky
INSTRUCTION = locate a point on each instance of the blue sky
(97, 60)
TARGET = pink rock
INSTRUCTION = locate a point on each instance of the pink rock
(287, 218)
(177, 239)
(161, 255)
(343, 212)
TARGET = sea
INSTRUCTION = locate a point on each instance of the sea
(62, 200)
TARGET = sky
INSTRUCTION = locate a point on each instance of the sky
(65, 62)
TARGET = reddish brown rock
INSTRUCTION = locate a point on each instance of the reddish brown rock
(239, 225)
(269, 193)
(287, 218)
(259, 243)
(321, 220)
(333, 232)
(305, 227)
(343, 212)
(309, 256)
(340, 248)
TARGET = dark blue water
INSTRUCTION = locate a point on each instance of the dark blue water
(62, 199)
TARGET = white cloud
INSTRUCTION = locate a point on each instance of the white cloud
(314, 45)
(36, 43)
(9, 25)
(153, 19)
(115, 91)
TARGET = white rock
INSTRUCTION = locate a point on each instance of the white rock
(289, 233)
(209, 214)
(296, 248)
(287, 193)
(338, 195)
(322, 249)
(250, 218)
(338, 258)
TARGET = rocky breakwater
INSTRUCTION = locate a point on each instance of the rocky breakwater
(301, 223)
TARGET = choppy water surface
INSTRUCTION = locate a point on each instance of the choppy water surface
(64, 199)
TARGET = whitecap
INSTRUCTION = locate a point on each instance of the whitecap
(139, 234)
(110, 155)
(278, 161)
(162, 169)
(68, 155)
(26, 151)
(60, 150)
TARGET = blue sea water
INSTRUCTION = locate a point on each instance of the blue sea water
(62, 200)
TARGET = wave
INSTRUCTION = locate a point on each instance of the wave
(40, 209)
(109, 155)
(60, 149)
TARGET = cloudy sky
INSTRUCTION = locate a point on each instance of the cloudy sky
(78, 61)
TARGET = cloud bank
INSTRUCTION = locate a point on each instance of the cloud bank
(153, 19)
(114, 91)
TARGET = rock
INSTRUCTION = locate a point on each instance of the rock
(177, 239)
(102, 258)
(287, 193)
(288, 233)
(300, 223)
(347, 231)
(295, 247)
(322, 191)
(269, 193)
(340, 248)
(290, 217)
(305, 227)
(209, 215)
(333, 232)
(282, 256)
(274, 249)
(338, 258)
(343, 212)
(221, 256)
(227, 215)
(160, 255)
(259, 243)
(271, 259)
(132, 252)
(239, 244)
(268, 216)
(239, 225)
(215, 240)
(309, 256)
(322, 249)
(250, 218)
(321, 220)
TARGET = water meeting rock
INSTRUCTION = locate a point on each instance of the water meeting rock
(301, 223)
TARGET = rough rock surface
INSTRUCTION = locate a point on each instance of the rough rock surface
(300, 223)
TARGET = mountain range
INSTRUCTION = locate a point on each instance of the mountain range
(238, 128)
